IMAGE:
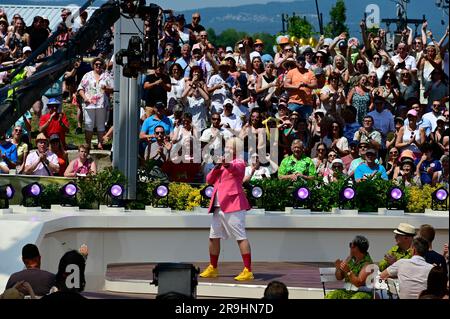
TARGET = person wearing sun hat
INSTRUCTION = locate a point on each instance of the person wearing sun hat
(404, 235)
(41, 162)
(406, 173)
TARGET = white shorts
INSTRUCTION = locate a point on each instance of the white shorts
(94, 118)
(223, 225)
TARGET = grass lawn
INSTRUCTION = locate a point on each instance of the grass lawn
(72, 139)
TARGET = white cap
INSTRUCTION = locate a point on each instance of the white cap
(327, 41)
(337, 160)
(254, 54)
(26, 49)
(227, 101)
(229, 49)
(240, 45)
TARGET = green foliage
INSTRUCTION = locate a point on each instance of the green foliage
(277, 194)
(337, 20)
(93, 188)
(420, 198)
(300, 27)
(372, 194)
(212, 36)
(50, 195)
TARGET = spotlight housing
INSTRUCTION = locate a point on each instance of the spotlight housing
(347, 196)
(69, 190)
(116, 191)
(439, 199)
(6, 194)
(257, 192)
(160, 193)
(395, 198)
(206, 193)
(301, 197)
(68, 193)
(31, 194)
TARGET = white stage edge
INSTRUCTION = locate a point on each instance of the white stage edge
(116, 236)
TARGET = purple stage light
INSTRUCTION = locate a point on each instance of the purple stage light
(70, 190)
(116, 190)
(257, 192)
(10, 192)
(33, 190)
(7, 192)
(396, 193)
(348, 193)
(303, 193)
(208, 191)
(441, 194)
(162, 191)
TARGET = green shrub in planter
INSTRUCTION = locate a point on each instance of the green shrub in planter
(93, 189)
(50, 196)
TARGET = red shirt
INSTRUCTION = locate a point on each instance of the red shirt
(54, 127)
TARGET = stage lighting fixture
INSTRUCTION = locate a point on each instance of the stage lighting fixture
(439, 199)
(161, 192)
(6, 194)
(32, 192)
(69, 190)
(68, 193)
(347, 196)
(116, 192)
(257, 192)
(175, 279)
(395, 198)
(301, 197)
(206, 193)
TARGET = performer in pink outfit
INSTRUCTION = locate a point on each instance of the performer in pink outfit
(228, 205)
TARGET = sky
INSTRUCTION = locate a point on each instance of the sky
(188, 5)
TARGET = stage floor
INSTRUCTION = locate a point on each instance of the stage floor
(298, 276)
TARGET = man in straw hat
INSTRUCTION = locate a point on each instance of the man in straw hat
(404, 235)
(41, 162)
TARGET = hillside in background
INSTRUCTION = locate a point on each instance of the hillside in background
(267, 17)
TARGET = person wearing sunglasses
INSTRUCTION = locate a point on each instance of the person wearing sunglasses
(94, 89)
(8, 152)
(159, 149)
(353, 271)
(22, 147)
(363, 146)
(195, 27)
(411, 136)
(370, 170)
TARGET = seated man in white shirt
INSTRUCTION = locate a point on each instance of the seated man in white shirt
(255, 170)
(412, 273)
(214, 136)
(228, 118)
(41, 162)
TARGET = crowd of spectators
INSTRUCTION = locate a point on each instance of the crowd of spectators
(341, 108)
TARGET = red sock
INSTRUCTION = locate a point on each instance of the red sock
(213, 259)
(247, 258)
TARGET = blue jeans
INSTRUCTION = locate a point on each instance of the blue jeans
(304, 110)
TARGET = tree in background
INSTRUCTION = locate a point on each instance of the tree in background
(300, 27)
(337, 20)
